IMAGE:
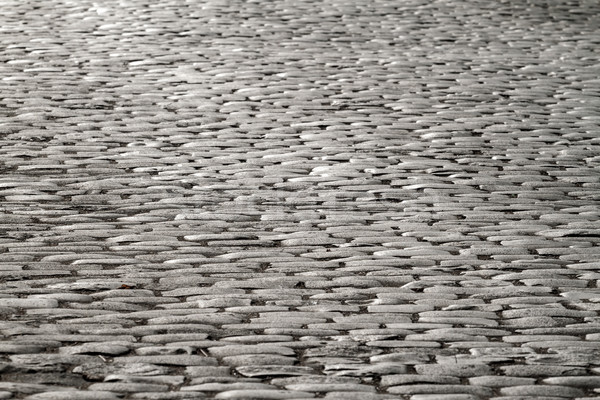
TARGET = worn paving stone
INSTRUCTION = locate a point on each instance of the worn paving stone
(168, 395)
(328, 387)
(524, 397)
(263, 394)
(258, 359)
(542, 370)
(441, 389)
(274, 370)
(403, 379)
(444, 397)
(357, 396)
(227, 386)
(361, 370)
(29, 388)
(29, 303)
(75, 395)
(587, 382)
(178, 360)
(458, 370)
(276, 199)
(128, 387)
(541, 390)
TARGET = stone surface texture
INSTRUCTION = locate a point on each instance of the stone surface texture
(277, 199)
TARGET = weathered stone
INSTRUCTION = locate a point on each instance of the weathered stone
(266, 199)
(75, 395)
(274, 370)
(542, 390)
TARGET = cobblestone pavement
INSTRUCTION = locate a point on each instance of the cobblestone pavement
(298, 199)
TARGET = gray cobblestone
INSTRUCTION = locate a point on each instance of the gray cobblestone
(394, 380)
(541, 390)
(542, 370)
(274, 370)
(29, 303)
(356, 396)
(179, 360)
(444, 397)
(330, 387)
(168, 395)
(440, 389)
(75, 395)
(588, 382)
(272, 199)
(263, 394)
(525, 397)
(500, 381)
(460, 370)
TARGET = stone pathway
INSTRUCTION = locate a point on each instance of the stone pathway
(277, 199)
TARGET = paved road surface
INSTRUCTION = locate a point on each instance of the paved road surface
(277, 199)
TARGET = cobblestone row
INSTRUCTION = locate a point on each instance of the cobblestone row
(299, 199)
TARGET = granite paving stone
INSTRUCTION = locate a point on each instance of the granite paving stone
(168, 395)
(441, 389)
(273, 199)
(404, 379)
(75, 395)
(357, 396)
(274, 370)
(543, 370)
(444, 397)
(263, 394)
(525, 397)
(541, 390)
(590, 382)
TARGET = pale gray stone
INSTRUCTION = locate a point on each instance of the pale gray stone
(588, 382)
(263, 394)
(75, 395)
(128, 387)
(274, 370)
(460, 370)
(326, 194)
(177, 360)
(542, 390)
(29, 303)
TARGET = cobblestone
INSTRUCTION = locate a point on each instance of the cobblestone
(275, 199)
